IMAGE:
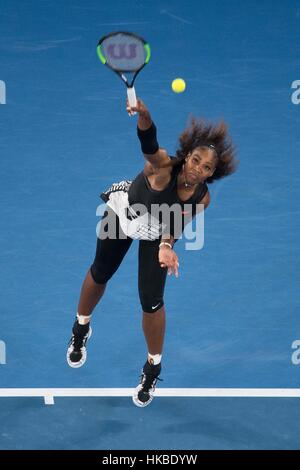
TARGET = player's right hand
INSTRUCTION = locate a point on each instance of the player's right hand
(140, 108)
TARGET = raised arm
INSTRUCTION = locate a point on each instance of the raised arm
(146, 131)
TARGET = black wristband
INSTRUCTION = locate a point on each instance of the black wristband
(148, 140)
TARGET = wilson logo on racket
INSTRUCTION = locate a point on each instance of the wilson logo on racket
(122, 51)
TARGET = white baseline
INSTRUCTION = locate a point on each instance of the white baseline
(50, 393)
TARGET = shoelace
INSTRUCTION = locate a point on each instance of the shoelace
(78, 341)
(149, 381)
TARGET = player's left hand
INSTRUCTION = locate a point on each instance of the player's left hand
(168, 259)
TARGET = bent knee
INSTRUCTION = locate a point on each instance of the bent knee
(151, 304)
(99, 275)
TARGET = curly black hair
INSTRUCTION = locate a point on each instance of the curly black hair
(201, 133)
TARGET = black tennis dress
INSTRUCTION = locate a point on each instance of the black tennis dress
(137, 205)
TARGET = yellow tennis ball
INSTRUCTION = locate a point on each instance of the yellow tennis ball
(178, 85)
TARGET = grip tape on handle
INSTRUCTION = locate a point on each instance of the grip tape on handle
(131, 96)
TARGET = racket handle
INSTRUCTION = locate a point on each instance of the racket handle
(131, 96)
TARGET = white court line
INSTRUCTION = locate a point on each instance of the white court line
(50, 393)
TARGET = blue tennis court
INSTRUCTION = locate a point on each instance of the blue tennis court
(233, 312)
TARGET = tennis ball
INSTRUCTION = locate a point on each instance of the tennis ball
(178, 85)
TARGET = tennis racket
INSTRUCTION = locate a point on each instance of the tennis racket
(124, 52)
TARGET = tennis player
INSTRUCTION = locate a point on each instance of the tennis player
(205, 154)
